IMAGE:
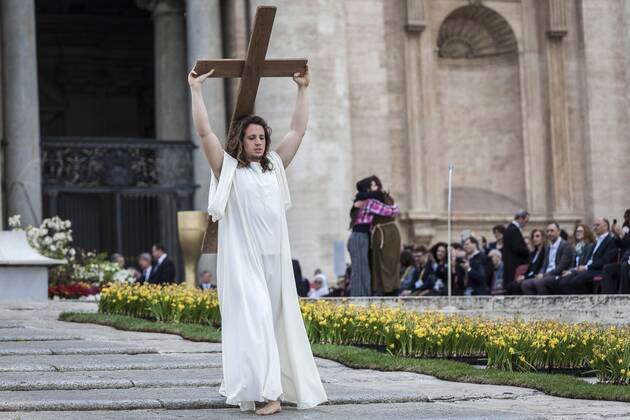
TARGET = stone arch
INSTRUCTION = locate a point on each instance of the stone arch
(475, 31)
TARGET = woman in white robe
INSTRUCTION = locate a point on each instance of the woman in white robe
(266, 352)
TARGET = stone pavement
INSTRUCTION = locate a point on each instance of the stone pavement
(52, 369)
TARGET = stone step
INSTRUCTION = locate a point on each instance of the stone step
(109, 362)
(67, 347)
(33, 334)
(175, 398)
(11, 324)
(158, 378)
(322, 412)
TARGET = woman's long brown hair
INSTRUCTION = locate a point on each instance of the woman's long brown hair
(589, 237)
(234, 146)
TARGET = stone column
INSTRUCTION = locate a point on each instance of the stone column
(534, 146)
(420, 103)
(204, 34)
(559, 130)
(203, 23)
(21, 111)
(171, 103)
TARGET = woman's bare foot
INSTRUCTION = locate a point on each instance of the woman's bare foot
(272, 407)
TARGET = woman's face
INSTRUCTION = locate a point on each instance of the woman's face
(254, 142)
(579, 233)
(498, 235)
(440, 253)
(537, 239)
(373, 186)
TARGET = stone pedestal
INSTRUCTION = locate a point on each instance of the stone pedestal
(23, 271)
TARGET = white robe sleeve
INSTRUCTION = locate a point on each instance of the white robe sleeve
(282, 178)
(220, 189)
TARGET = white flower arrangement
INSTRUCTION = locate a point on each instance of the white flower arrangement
(54, 239)
(15, 221)
(124, 277)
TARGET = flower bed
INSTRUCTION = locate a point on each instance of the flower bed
(162, 303)
(507, 344)
(72, 291)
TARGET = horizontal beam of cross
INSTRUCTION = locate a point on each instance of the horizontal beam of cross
(234, 67)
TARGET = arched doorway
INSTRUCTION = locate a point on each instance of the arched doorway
(479, 119)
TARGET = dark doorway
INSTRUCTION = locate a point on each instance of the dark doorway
(102, 167)
(95, 65)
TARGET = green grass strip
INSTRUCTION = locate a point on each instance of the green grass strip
(552, 384)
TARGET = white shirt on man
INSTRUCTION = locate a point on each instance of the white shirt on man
(553, 251)
(160, 260)
(600, 239)
(146, 273)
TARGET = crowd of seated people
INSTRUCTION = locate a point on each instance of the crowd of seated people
(593, 259)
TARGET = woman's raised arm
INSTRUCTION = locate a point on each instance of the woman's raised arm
(291, 142)
(209, 140)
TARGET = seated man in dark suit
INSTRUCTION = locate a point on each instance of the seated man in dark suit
(515, 252)
(616, 274)
(580, 280)
(475, 280)
(559, 257)
(163, 271)
(422, 278)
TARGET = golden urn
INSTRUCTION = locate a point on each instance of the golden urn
(191, 226)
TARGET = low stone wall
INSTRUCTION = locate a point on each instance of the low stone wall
(608, 309)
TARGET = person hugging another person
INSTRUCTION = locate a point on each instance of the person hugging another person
(369, 202)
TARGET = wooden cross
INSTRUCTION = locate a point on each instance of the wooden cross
(250, 71)
(254, 66)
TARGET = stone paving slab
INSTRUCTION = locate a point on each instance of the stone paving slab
(172, 398)
(109, 362)
(102, 332)
(66, 347)
(33, 334)
(110, 399)
(166, 345)
(353, 399)
(402, 411)
(34, 381)
(545, 406)
(11, 324)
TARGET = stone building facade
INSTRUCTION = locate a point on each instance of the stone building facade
(526, 98)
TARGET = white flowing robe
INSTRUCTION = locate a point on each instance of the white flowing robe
(262, 360)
